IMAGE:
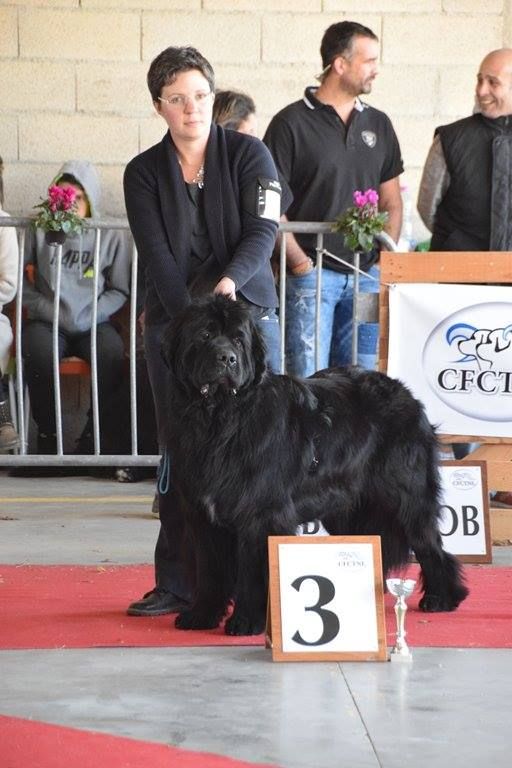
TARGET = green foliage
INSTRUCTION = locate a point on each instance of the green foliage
(359, 225)
(56, 221)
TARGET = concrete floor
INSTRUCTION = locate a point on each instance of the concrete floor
(448, 708)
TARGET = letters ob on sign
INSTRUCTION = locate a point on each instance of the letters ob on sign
(464, 524)
(326, 599)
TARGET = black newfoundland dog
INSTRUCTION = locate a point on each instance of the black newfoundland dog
(255, 454)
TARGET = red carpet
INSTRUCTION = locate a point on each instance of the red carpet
(83, 607)
(72, 606)
(483, 620)
(28, 744)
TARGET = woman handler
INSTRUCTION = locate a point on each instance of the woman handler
(203, 206)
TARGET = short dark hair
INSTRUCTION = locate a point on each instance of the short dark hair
(68, 178)
(231, 108)
(166, 67)
(339, 38)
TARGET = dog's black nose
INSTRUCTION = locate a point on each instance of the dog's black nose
(228, 358)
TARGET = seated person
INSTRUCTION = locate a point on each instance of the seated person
(76, 305)
(8, 280)
(235, 110)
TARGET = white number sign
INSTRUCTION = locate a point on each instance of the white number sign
(464, 525)
(326, 598)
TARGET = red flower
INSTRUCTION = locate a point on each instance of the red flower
(58, 211)
(61, 198)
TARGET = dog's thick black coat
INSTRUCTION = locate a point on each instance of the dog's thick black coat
(255, 454)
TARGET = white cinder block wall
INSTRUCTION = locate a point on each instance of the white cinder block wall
(72, 72)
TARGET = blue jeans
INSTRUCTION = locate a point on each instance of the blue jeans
(335, 339)
(268, 326)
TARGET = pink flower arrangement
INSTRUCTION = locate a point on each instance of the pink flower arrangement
(58, 212)
(371, 196)
(61, 198)
(360, 223)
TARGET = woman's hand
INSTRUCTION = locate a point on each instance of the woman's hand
(226, 286)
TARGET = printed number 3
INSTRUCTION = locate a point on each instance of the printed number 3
(331, 623)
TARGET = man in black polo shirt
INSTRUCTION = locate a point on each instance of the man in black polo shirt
(327, 146)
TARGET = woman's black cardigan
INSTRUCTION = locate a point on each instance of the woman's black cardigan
(159, 216)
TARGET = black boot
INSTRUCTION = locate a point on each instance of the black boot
(84, 444)
(47, 444)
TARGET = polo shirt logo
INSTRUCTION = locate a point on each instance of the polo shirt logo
(369, 138)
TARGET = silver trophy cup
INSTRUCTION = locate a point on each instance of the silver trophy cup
(401, 589)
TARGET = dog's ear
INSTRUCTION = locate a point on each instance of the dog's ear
(259, 354)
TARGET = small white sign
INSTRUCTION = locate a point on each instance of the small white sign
(464, 524)
(269, 204)
(330, 597)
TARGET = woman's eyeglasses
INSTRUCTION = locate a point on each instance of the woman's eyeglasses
(179, 100)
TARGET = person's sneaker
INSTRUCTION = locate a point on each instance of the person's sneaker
(133, 474)
(125, 475)
(157, 603)
(9, 438)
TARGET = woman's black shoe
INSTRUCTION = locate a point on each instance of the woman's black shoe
(157, 603)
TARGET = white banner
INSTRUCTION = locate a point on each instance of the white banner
(452, 346)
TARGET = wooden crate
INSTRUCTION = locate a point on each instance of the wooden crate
(501, 525)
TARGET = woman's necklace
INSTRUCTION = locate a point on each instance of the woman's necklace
(198, 178)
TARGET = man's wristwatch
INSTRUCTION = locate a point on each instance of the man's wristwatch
(303, 268)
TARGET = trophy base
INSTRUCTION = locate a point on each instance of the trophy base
(400, 656)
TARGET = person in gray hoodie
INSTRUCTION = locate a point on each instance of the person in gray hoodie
(76, 305)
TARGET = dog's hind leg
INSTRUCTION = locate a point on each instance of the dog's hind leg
(441, 572)
(215, 558)
(418, 515)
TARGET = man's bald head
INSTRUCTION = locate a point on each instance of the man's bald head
(494, 84)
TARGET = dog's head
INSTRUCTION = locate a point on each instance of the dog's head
(214, 346)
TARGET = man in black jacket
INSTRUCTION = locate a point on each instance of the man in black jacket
(465, 191)
(466, 187)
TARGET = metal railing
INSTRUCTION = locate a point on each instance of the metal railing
(134, 458)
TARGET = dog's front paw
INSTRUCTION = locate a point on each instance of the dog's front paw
(242, 624)
(197, 620)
